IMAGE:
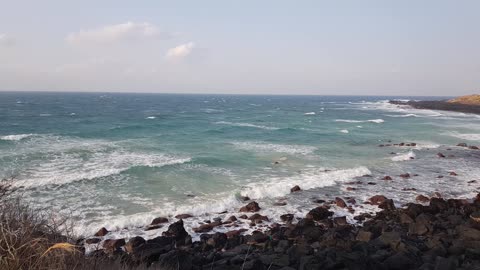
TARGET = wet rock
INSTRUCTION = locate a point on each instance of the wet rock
(371, 183)
(319, 201)
(387, 178)
(176, 230)
(134, 243)
(207, 227)
(183, 216)
(258, 217)
(251, 207)
(101, 232)
(438, 205)
(440, 155)
(377, 199)
(319, 213)
(113, 244)
(453, 173)
(295, 189)
(405, 175)
(387, 205)
(93, 241)
(340, 202)
(243, 217)
(351, 189)
(340, 221)
(351, 201)
(159, 220)
(422, 199)
(409, 189)
(232, 219)
(472, 147)
(462, 145)
(244, 198)
(287, 217)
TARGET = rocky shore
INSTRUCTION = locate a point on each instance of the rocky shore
(439, 233)
(443, 105)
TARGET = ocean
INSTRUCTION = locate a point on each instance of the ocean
(120, 160)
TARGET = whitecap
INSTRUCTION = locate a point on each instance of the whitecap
(151, 117)
(464, 136)
(16, 137)
(245, 125)
(279, 148)
(344, 131)
(309, 113)
(277, 186)
(377, 121)
(404, 157)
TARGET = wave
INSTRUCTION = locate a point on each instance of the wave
(464, 136)
(65, 168)
(16, 137)
(279, 148)
(277, 187)
(310, 113)
(404, 157)
(344, 131)
(245, 125)
(377, 121)
(402, 115)
(151, 117)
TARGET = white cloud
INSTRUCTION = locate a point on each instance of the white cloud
(114, 33)
(181, 51)
(5, 40)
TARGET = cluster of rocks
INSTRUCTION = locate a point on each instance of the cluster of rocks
(402, 144)
(445, 234)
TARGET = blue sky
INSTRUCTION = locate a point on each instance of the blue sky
(265, 47)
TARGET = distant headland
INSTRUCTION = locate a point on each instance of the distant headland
(465, 104)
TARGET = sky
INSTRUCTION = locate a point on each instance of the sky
(382, 47)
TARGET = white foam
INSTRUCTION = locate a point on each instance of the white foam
(344, 131)
(310, 113)
(464, 136)
(245, 125)
(280, 186)
(151, 117)
(402, 115)
(279, 148)
(404, 157)
(16, 137)
(377, 121)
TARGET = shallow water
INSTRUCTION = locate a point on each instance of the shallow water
(119, 160)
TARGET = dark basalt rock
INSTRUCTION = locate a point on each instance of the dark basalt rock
(159, 220)
(340, 202)
(377, 199)
(287, 217)
(319, 213)
(101, 232)
(251, 207)
(134, 243)
(183, 216)
(295, 189)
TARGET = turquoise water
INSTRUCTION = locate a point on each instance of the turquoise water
(119, 160)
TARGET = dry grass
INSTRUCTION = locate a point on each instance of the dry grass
(32, 239)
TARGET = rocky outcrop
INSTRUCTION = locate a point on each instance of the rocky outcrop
(442, 234)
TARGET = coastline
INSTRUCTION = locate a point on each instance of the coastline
(430, 233)
(439, 105)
